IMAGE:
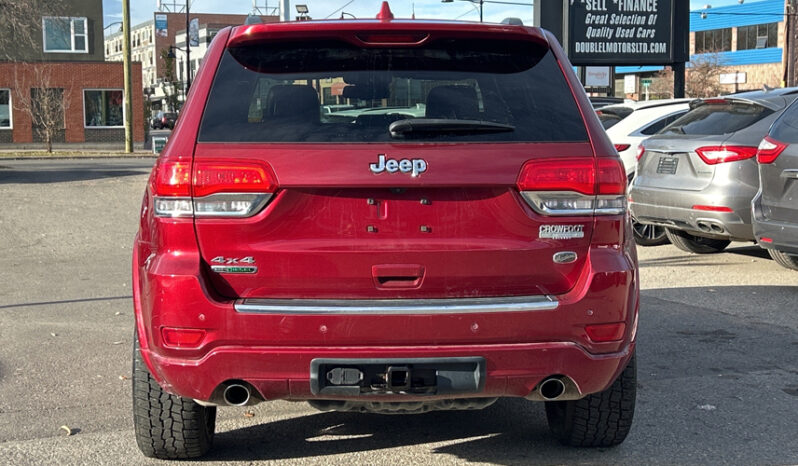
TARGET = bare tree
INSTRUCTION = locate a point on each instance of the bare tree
(46, 105)
(702, 80)
(20, 23)
(703, 75)
(662, 85)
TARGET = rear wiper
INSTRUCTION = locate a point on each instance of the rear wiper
(415, 126)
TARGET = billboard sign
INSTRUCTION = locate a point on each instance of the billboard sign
(161, 28)
(193, 33)
(597, 76)
(627, 32)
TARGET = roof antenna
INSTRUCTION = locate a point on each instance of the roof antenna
(413, 5)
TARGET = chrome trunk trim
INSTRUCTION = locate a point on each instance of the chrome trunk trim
(396, 306)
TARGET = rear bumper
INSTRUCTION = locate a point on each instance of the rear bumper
(783, 236)
(673, 209)
(272, 348)
(284, 373)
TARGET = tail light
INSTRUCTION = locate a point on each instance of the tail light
(769, 149)
(641, 149)
(574, 186)
(211, 188)
(622, 147)
(713, 155)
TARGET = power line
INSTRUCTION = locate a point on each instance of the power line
(707, 13)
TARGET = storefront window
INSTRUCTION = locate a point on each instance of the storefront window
(5, 108)
(103, 108)
(716, 40)
(758, 36)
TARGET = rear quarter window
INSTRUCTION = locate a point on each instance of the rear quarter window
(785, 129)
(332, 91)
(716, 119)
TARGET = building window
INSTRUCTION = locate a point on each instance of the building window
(716, 40)
(5, 108)
(758, 36)
(63, 34)
(103, 108)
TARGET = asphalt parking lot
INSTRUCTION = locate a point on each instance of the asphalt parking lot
(717, 354)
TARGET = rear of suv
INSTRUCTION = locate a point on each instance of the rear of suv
(457, 235)
(774, 209)
(698, 175)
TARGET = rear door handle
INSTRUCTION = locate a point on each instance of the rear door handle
(792, 173)
(392, 276)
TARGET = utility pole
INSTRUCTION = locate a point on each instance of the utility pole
(188, 52)
(790, 43)
(127, 76)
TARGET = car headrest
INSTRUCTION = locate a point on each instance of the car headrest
(287, 101)
(452, 101)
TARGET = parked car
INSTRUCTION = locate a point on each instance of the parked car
(627, 126)
(602, 101)
(775, 205)
(398, 263)
(163, 120)
(697, 176)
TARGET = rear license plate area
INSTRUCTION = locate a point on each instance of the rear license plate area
(417, 376)
(667, 165)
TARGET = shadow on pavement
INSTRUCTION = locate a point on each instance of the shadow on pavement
(750, 251)
(60, 174)
(687, 259)
(708, 380)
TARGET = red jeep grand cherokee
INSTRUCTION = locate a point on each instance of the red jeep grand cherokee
(387, 216)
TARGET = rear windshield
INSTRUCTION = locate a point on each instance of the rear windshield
(785, 129)
(715, 119)
(449, 90)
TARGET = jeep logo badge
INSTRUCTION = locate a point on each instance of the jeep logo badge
(415, 166)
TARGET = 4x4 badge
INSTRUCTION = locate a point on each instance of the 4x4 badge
(415, 166)
(234, 264)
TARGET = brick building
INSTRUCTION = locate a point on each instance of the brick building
(60, 73)
(748, 39)
(92, 94)
(152, 39)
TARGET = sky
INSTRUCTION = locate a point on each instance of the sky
(141, 10)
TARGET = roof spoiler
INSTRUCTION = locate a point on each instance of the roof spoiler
(772, 105)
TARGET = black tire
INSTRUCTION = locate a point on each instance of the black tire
(648, 235)
(695, 244)
(788, 261)
(598, 420)
(168, 426)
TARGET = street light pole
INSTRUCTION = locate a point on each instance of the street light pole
(127, 76)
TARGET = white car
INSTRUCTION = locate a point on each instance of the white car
(628, 125)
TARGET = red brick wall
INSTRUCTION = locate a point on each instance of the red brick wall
(73, 77)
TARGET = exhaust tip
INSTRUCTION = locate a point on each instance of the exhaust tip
(551, 388)
(236, 395)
